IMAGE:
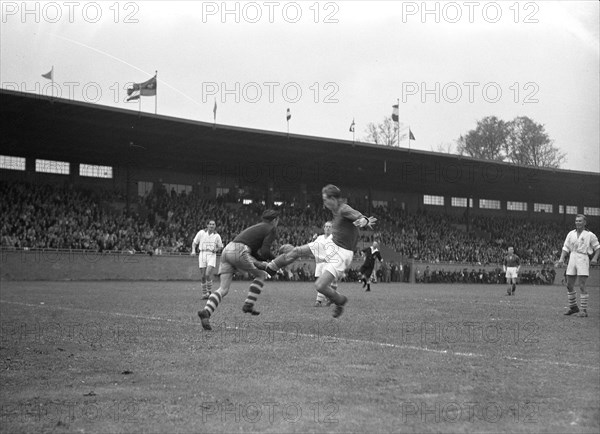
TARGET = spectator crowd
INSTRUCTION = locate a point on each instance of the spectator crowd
(50, 217)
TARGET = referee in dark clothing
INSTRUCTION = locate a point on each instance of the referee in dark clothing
(371, 253)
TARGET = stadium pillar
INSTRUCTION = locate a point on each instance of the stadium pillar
(269, 196)
(73, 172)
(303, 196)
(467, 215)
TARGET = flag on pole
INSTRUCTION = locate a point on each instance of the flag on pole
(352, 126)
(289, 114)
(215, 111)
(395, 113)
(147, 88)
(411, 136)
(49, 75)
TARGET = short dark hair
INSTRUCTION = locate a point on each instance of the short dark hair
(331, 190)
(270, 215)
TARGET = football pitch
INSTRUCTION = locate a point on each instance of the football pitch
(131, 357)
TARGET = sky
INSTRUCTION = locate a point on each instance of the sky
(447, 64)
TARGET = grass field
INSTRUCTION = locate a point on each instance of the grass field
(100, 357)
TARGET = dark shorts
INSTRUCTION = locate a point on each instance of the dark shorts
(367, 271)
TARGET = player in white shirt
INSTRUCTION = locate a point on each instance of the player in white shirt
(322, 240)
(579, 244)
(209, 243)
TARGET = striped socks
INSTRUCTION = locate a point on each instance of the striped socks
(213, 301)
(583, 301)
(254, 291)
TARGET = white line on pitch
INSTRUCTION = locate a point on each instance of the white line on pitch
(312, 336)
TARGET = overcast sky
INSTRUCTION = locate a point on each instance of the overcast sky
(448, 63)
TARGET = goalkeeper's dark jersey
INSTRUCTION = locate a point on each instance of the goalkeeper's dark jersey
(259, 239)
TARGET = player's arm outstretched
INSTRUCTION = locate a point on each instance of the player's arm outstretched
(358, 219)
(363, 221)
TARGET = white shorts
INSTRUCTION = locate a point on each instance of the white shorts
(207, 259)
(319, 269)
(511, 273)
(579, 264)
(331, 257)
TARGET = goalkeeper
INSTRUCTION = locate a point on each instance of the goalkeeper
(239, 255)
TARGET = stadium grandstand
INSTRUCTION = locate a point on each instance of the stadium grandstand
(79, 177)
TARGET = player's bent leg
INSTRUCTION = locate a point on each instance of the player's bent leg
(214, 300)
(254, 291)
(333, 287)
(323, 286)
(320, 299)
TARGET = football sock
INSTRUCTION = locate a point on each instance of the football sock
(514, 287)
(320, 297)
(334, 286)
(203, 287)
(213, 301)
(209, 286)
(583, 300)
(572, 299)
(254, 291)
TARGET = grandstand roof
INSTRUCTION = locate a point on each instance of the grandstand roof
(42, 127)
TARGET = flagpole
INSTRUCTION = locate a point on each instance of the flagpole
(398, 123)
(215, 115)
(156, 93)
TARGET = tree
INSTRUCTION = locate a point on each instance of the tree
(444, 148)
(530, 145)
(520, 141)
(487, 141)
(385, 133)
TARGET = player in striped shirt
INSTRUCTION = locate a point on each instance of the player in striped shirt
(337, 252)
(209, 243)
(511, 266)
(579, 244)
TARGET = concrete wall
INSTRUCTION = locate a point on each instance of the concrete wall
(52, 265)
